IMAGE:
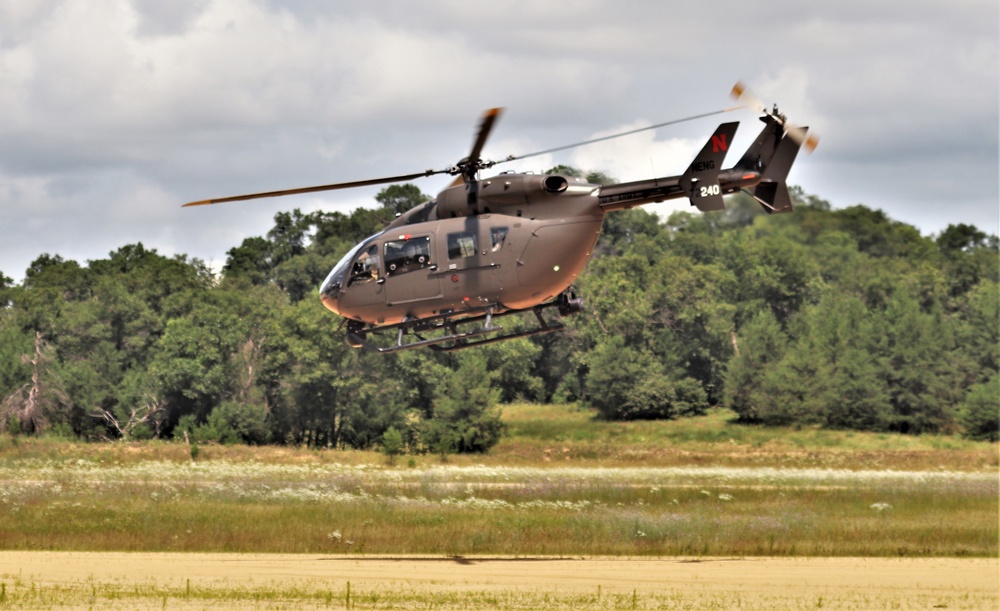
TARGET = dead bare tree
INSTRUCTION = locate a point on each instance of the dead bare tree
(146, 412)
(26, 405)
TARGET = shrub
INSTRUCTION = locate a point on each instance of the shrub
(980, 412)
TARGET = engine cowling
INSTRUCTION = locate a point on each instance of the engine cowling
(506, 193)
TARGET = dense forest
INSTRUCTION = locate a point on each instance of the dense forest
(836, 318)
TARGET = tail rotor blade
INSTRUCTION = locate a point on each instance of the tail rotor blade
(742, 94)
(800, 134)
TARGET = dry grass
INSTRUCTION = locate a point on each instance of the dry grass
(115, 580)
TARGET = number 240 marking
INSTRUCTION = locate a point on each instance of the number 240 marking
(709, 190)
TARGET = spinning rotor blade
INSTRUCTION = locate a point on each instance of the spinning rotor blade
(333, 187)
(613, 136)
(467, 168)
(799, 134)
(485, 127)
(741, 93)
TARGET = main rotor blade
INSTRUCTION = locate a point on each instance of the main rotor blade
(333, 187)
(485, 126)
(613, 136)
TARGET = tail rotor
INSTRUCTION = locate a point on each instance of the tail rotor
(742, 94)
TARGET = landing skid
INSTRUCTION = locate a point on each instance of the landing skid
(453, 337)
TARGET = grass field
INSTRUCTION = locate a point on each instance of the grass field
(576, 488)
(698, 513)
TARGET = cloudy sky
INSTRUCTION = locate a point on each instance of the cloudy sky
(114, 113)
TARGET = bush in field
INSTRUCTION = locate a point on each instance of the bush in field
(230, 422)
(392, 443)
(466, 418)
(980, 412)
(629, 384)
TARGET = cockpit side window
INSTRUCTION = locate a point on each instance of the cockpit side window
(498, 235)
(365, 268)
(407, 255)
(462, 245)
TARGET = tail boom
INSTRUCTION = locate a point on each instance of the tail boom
(763, 168)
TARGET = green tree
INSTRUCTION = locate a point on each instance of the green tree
(252, 260)
(978, 333)
(397, 199)
(512, 363)
(15, 344)
(216, 353)
(759, 347)
(828, 374)
(919, 363)
(626, 383)
(466, 417)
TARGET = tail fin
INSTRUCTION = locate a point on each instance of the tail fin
(701, 180)
(763, 149)
(772, 192)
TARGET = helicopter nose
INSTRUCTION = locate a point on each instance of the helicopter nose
(329, 294)
(330, 302)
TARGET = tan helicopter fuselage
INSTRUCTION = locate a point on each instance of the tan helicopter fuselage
(522, 243)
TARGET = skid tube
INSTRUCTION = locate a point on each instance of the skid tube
(567, 303)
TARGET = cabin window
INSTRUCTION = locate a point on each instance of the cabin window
(365, 268)
(462, 245)
(498, 235)
(407, 255)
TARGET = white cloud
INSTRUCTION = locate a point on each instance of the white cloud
(117, 112)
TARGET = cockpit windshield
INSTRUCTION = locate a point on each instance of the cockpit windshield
(339, 275)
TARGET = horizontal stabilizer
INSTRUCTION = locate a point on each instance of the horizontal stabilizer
(773, 197)
(701, 180)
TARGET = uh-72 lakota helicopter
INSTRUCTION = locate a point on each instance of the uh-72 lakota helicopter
(440, 274)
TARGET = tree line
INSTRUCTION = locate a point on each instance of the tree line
(839, 318)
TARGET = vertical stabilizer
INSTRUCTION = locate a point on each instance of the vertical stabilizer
(701, 180)
(772, 192)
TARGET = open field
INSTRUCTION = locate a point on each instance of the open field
(565, 512)
(172, 581)
(539, 435)
(251, 507)
(564, 433)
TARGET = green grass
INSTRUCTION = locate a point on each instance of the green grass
(540, 435)
(560, 483)
(543, 433)
(222, 506)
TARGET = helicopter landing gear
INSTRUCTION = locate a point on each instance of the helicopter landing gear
(451, 331)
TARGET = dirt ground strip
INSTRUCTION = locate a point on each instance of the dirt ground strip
(837, 583)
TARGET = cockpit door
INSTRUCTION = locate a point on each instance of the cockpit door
(410, 268)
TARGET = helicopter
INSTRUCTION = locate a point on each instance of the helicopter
(441, 274)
